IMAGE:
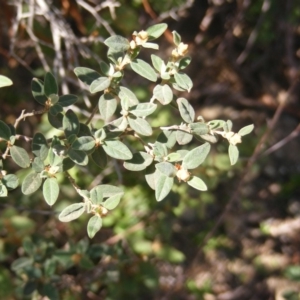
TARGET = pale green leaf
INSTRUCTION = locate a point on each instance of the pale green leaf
(158, 63)
(3, 190)
(150, 46)
(84, 143)
(117, 149)
(167, 137)
(107, 105)
(109, 190)
(186, 110)
(163, 93)
(94, 225)
(163, 186)
(38, 165)
(209, 138)
(196, 156)
(127, 96)
(117, 43)
(143, 109)
(139, 161)
(112, 202)
(5, 81)
(166, 168)
(72, 212)
(246, 130)
(183, 137)
(233, 153)
(216, 124)
(31, 183)
(144, 69)
(152, 178)
(160, 150)
(156, 31)
(199, 128)
(197, 183)
(50, 190)
(20, 156)
(140, 126)
(11, 181)
(40, 146)
(184, 62)
(176, 38)
(96, 195)
(173, 157)
(100, 84)
(183, 81)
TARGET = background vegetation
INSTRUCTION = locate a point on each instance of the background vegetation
(238, 240)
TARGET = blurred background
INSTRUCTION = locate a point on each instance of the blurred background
(240, 239)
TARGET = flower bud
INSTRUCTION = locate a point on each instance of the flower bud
(183, 175)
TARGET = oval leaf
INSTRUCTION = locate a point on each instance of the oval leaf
(117, 149)
(94, 225)
(107, 105)
(86, 75)
(37, 89)
(11, 181)
(143, 109)
(50, 190)
(99, 157)
(100, 84)
(163, 186)
(112, 202)
(117, 43)
(139, 161)
(246, 130)
(233, 153)
(5, 81)
(20, 156)
(67, 100)
(166, 168)
(183, 81)
(140, 126)
(144, 69)
(79, 157)
(186, 110)
(183, 137)
(50, 85)
(163, 93)
(72, 212)
(197, 183)
(31, 183)
(70, 123)
(196, 156)
(40, 146)
(156, 30)
(5, 132)
(84, 143)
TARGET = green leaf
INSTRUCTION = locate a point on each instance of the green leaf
(21, 263)
(158, 63)
(246, 130)
(163, 93)
(40, 146)
(67, 100)
(11, 181)
(233, 153)
(216, 124)
(196, 156)
(117, 149)
(53, 98)
(70, 123)
(127, 96)
(5, 81)
(183, 81)
(3, 190)
(56, 121)
(50, 85)
(72, 212)
(96, 195)
(55, 109)
(94, 225)
(186, 110)
(66, 165)
(86, 75)
(176, 38)
(99, 157)
(79, 157)
(152, 178)
(37, 89)
(183, 137)
(5, 132)
(184, 62)
(109, 190)
(167, 137)
(140, 126)
(160, 150)
(156, 31)
(31, 183)
(84, 143)
(163, 186)
(144, 69)
(100, 84)
(197, 183)
(50, 190)
(113, 201)
(209, 138)
(143, 109)
(150, 46)
(105, 68)
(37, 165)
(139, 161)
(107, 105)
(199, 128)
(228, 125)
(117, 43)
(166, 168)
(20, 156)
